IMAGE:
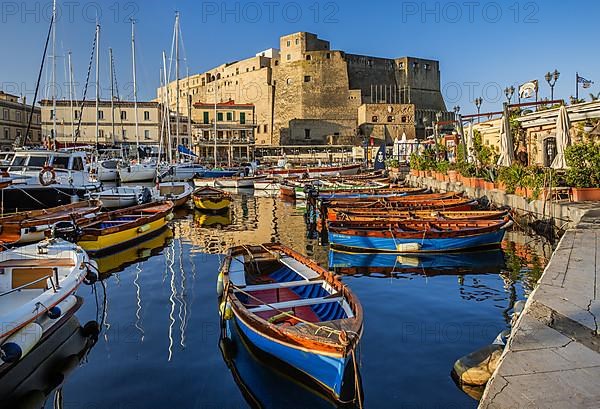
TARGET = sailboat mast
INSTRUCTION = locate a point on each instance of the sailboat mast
(167, 110)
(112, 93)
(53, 74)
(177, 83)
(71, 94)
(97, 82)
(135, 97)
(215, 121)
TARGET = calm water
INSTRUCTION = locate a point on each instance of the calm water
(159, 344)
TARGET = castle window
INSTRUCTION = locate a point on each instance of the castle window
(289, 57)
(308, 57)
(374, 118)
(328, 55)
(276, 62)
(266, 128)
(289, 43)
(307, 78)
(404, 120)
(390, 118)
(307, 134)
(427, 67)
(297, 41)
(415, 65)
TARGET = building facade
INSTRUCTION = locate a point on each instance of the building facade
(14, 118)
(116, 122)
(235, 127)
(306, 93)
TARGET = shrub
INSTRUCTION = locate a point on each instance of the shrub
(583, 160)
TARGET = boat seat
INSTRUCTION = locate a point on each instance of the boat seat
(295, 303)
(298, 267)
(274, 286)
(37, 262)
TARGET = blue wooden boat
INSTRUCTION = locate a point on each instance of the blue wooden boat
(291, 308)
(417, 236)
(214, 174)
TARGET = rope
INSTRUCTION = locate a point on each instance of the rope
(87, 81)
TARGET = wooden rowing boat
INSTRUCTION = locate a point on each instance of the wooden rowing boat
(291, 308)
(211, 199)
(455, 204)
(315, 171)
(414, 236)
(112, 231)
(177, 192)
(32, 226)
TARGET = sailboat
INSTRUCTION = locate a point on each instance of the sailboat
(136, 171)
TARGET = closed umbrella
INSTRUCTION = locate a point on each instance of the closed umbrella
(470, 139)
(507, 154)
(563, 138)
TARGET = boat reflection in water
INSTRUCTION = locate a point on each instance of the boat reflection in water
(212, 220)
(115, 262)
(392, 265)
(30, 382)
(266, 382)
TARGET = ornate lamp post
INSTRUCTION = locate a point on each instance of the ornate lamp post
(509, 92)
(478, 103)
(551, 78)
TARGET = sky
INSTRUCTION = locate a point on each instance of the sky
(483, 46)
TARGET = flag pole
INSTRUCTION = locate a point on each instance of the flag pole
(576, 87)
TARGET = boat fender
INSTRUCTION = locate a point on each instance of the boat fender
(169, 217)
(408, 247)
(144, 228)
(21, 343)
(228, 348)
(220, 286)
(225, 310)
(63, 306)
(47, 176)
(90, 277)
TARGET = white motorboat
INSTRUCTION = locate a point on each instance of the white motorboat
(181, 172)
(107, 170)
(137, 172)
(37, 288)
(45, 178)
(177, 192)
(123, 196)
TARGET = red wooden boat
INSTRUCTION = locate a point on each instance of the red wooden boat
(316, 171)
(455, 204)
(367, 215)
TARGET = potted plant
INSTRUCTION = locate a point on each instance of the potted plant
(415, 164)
(442, 170)
(583, 174)
(393, 165)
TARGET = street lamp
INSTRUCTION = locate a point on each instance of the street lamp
(509, 92)
(478, 103)
(551, 78)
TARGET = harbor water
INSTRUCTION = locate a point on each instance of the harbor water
(158, 345)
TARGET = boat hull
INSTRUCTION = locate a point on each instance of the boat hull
(212, 205)
(425, 245)
(328, 371)
(316, 172)
(137, 173)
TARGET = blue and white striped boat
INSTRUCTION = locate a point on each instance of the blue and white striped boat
(415, 236)
(291, 308)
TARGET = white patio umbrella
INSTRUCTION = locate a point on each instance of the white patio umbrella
(563, 138)
(470, 139)
(507, 154)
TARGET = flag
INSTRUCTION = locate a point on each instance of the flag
(528, 90)
(380, 158)
(585, 83)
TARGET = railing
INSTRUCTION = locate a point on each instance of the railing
(22, 287)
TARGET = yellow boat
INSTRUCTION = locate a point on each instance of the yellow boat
(211, 199)
(202, 219)
(116, 230)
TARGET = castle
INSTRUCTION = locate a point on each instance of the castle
(305, 93)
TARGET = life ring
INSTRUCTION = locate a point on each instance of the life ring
(43, 176)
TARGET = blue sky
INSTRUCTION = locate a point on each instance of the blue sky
(483, 46)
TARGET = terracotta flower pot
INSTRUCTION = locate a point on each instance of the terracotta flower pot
(583, 194)
(472, 182)
(428, 173)
(452, 176)
(488, 185)
(414, 172)
(421, 173)
(521, 191)
(501, 186)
